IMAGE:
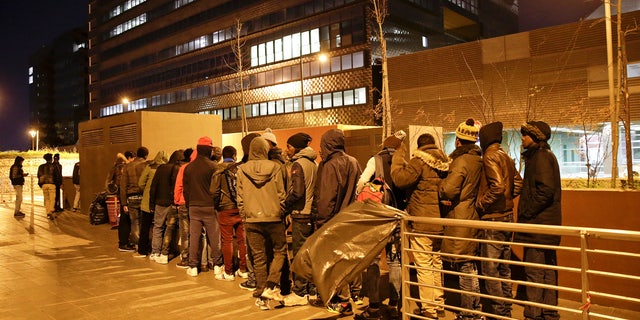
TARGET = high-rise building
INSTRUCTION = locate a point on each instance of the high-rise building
(217, 56)
(58, 78)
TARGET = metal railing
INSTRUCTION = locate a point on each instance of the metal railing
(622, 248)
(31, 193)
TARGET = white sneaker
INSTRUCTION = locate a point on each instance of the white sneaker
(224, 276)
(262, 303)
(154, 257)
(273, 294)
(218, 270)
(192, 272)
(243, 275)
(162, 259)
(293, 299)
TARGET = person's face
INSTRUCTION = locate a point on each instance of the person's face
(527, 141)
(291, 151)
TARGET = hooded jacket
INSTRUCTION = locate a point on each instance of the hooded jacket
(338, 175)
(178, 194)
(130, 176)
(501, 182)
(461, 188)
(146, 177)
(223, 196)
(260, 186)
(115, 173)
(197, 179)
(16, 174)
(541, 193)
(164, 180)
(48, 173)
(421, 176)
(304, 173)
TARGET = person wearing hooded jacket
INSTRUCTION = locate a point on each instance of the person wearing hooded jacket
(338, 175)
(261, 196)
(540, 203)
(500, 184)
(165, 213)
(147, 212)
(202, 213)
(421, 176)
(298, 206)
(458, 193)
(16, 175)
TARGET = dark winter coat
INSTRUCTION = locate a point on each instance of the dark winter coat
(304, 173)
(338, 175)
(500, 184)
(460, 187)
(541, 193)
(129, 181)
(48, 173)
(16, 174)
(421, 177)
(197, 179)
(164, 180)
(223, 185)
(76, 173)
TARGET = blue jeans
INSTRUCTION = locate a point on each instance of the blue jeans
(544, 276)
(497, 270)
(468, 284)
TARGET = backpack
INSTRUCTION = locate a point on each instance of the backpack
(377, 189)
(229, 177)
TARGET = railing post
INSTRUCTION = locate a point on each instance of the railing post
(404, 274)
(584, 267)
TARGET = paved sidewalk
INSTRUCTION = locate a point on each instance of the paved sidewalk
(70, 269)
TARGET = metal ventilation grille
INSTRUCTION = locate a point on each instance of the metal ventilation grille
(123, 134)
(92, 138)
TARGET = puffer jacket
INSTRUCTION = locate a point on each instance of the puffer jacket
(304, 173)
(500, 184)
(460, 187)
(146, 177)
(421, 177)
(338, 175)
(260, 186)
(541, 193)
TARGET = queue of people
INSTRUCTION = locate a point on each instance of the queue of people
(232, 216)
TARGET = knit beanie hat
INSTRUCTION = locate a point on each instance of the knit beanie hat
(538, 130)
(468, 130)
(205, 141)
(269, 136)
(299, 140)
(394, 140)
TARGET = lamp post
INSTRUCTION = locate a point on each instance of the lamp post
(35, 134)
(125, 104)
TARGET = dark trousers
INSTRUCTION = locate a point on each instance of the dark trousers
(300, 231)
(263, 237)
(206, 217)
(544, 276)
(497, 270)
(124, 228)
(146, 223)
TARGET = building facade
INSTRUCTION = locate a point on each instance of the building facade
(215, 57)
(58, 80)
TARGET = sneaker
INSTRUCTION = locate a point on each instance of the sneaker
(423, 313)
(357, 300)
(126, 248)
(248, 285)
(343, 308)
(217, 270)
(139, 255)
(293, 299)
(369, 314)
(162, 259)
(243, 275)
(225, 277)
(184, 263)
(192, 271)
(272, 293)
(19, 214)
(262, 303)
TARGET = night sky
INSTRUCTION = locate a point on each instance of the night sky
(26, 25)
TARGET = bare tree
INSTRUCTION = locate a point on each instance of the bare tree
(237, 46)
(379, 12)
(622, 94)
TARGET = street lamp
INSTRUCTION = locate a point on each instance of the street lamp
(321, 58)
(125, 105)
(35, 134)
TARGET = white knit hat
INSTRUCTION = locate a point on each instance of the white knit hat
(268, 135)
